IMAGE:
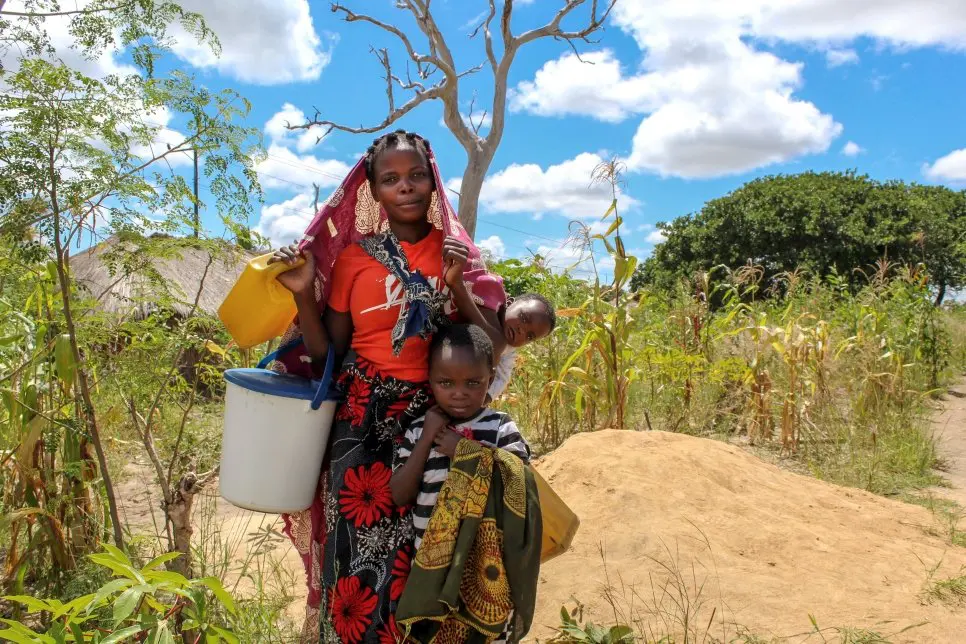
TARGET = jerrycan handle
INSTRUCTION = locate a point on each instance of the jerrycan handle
(324, 384)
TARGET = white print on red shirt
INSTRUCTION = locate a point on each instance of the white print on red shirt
(395, 295)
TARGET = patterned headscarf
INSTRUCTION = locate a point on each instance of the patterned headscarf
(351, 214)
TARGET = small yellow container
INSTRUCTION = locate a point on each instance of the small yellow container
(258, 308)
(559, 521)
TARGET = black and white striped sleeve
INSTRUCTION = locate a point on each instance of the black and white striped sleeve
(405, 448)
(510, 439)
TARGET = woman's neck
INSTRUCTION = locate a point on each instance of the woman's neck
(411, 233)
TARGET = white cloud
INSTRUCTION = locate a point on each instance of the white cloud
(838, 57)
(57, 29)
(950, 168)
(284, 222)
(493, 245)
(596, 87)
(304, 140)
(563, 188)
(714, 101)
(267, 42)
(655, 237)
(284, 169)
(852, 149)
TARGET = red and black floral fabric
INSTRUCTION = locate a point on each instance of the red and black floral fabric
(367, 542)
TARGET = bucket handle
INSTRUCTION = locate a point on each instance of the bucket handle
(323, 390)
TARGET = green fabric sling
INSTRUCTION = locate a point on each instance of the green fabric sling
(480, 555)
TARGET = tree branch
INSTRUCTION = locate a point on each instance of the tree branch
(394, 115)
(52, 14)
(487, 36)
(417, 58)
(553, 29)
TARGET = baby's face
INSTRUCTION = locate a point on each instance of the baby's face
(525, 321)
(459, 381)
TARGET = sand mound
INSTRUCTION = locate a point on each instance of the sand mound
(771, 547)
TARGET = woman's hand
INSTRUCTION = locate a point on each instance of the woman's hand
(301, 279)
(446, 441)
(455, 256)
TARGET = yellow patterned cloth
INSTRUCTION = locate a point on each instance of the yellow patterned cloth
(480, 556)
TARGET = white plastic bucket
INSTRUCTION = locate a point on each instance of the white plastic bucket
(274, 441)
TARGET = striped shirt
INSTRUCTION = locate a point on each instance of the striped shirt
(490, 427)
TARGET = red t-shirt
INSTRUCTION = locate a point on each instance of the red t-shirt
(364, 288)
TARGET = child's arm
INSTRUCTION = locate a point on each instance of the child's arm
(455, 255)
(406, 478)
(508, 437)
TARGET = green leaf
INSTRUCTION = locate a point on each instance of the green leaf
(77, 632)
(214, 585)
(32, 604)
(64, 360)
(125, 604)
(72, 606)
(161, 560)
(121, 635)
(161, 634)
(619, 632)
(610, 211)
(226, 635)
(21, 634)
(614, 226)
(107, 589)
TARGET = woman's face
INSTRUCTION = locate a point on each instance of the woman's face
(403, 184)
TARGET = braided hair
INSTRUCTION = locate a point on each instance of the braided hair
(391, 141)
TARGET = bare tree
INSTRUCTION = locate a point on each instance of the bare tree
(437, 77)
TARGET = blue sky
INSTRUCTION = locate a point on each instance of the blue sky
(697, 97)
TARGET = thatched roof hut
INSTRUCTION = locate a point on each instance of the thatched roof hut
(130, 281)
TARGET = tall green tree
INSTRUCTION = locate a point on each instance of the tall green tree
(83, 157)
(821, 222)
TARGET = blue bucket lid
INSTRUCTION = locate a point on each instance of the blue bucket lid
(274, 384)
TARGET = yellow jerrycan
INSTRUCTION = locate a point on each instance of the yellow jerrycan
(258, 308)
(559, 521)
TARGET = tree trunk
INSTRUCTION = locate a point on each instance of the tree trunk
(477, 166)
(86, 404)
(940, 296)
(179, 513)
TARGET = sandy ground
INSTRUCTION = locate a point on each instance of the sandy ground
(671, 520)
(950, 427)
(769, 547)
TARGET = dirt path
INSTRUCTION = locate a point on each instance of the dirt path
(950, 428)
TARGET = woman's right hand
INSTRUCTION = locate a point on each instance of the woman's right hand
(301, 279)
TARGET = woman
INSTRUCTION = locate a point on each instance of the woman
(384, 295)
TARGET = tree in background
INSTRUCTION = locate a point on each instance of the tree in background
(83, 158)
(437, 77)
(822, 223)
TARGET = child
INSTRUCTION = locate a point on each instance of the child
(460, 370)
(522, 320)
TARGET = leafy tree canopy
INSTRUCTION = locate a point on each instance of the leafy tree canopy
(823, 223)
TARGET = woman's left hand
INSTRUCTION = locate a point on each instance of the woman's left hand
(446, 441)
(455, 256)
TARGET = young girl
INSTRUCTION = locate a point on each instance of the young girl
(460, 370)
(521, 320)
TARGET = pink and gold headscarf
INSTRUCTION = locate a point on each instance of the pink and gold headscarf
(350, 214)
